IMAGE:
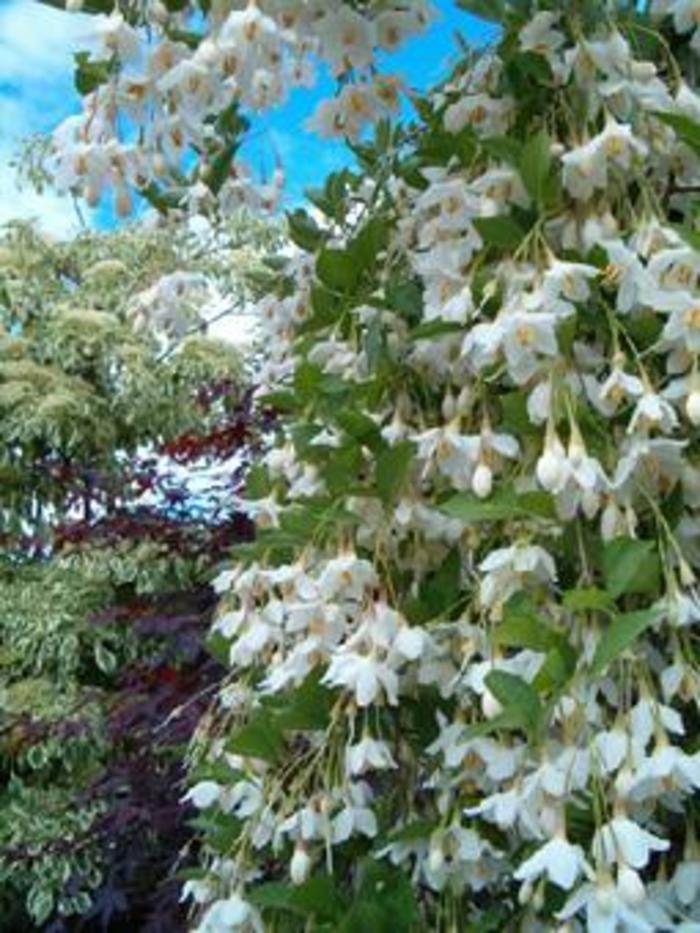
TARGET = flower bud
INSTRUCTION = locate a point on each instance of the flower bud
(686, 573)
(490, 706)
(538, 897)
(464, 401)
(436, 857)
(692, 407)
(610, 521)
(550, 470)
(300, 866)
(590, 503)
(448, 407)
(525, 893)
(482, 481)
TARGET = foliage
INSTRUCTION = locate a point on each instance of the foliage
(117, 504)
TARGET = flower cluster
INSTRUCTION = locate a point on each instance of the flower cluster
(464, 677)
(165, 80)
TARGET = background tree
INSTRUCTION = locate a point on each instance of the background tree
(124, 430)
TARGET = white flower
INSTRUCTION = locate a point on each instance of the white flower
(368, 755)
(653, 411)
(569, 280)
(692, 407)
(619, 143)
(540, 35)
(454, 852)
(611, 747)
(685, 882)
(686, 14)
(667, 768)
(118, 37)
(525, 336)
(585, 169)
(204, 794)
(353, 819)
(393, 27)
(507, 570)
(683, 608)
(346, 577)
(365, 675)
(200, 891)
(624, 841)
(487, 115)
(683, 325)
(562, 862)
(347, 40)
(635, 286)
(620, 385)
(606, 910)
(232, 914)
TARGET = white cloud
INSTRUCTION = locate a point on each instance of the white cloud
(36, 93)
(36, 41)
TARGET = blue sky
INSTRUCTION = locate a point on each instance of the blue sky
(36, 93)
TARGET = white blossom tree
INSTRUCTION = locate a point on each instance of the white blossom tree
(464, 678)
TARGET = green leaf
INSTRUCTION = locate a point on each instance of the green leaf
(414, 831)
(304, 231)
(493, 10)
(307, 708)
(691, 237)
(40, 904)
(260, 738)
(318, 897)
(516, 419)
(257, 484)
(392, 469)
(361, 428)
(620, 634)
(530, 66)
(374, 343)
(440, 591)
(535, 165)
(405, 297)
(504, 148)
(686, 129)
(525, 630)
(90, 74)
(436, 328)
(342, 467)
(504, 504)
(219, 648)
(589, 598)
(369, 243)
(385, 901)
(503, 232)
(307, 381)
(630, 566)
(557, 668)
(518, 698)
(337, 269)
